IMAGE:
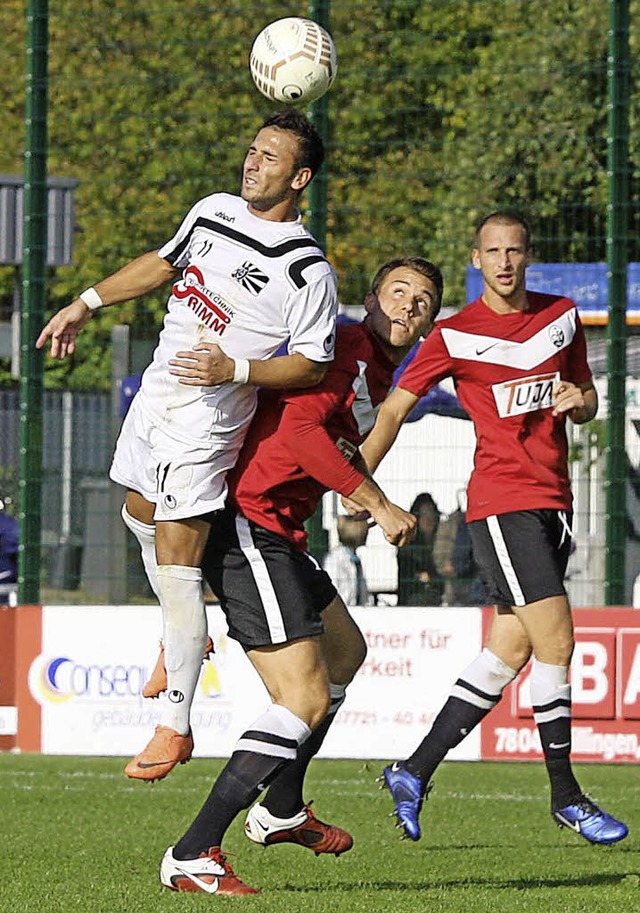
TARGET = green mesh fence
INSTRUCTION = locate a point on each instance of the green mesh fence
(440, 113)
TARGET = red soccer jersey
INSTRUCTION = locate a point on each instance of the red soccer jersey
(505, 367)
(300, 441)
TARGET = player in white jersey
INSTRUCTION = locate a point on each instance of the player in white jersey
(247, 276)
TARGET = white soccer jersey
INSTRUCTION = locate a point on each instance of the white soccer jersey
(248, 284)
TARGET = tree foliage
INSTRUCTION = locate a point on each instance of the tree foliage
(440, 112)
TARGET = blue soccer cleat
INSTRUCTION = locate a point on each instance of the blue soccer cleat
(408, 795)
(595, 825)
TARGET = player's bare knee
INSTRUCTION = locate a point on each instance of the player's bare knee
(312, 711)
(306, 695)
(556, 650)
(318, 702)
(563, 653)
(520, 656)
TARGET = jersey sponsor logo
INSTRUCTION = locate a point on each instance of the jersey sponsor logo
(525, 394)
(208, 307)
(523, 356)
(250, 277)
(225, 216)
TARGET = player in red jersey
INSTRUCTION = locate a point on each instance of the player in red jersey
(519, 362)
(280, 605)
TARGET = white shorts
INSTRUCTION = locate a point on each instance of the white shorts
(183, 478)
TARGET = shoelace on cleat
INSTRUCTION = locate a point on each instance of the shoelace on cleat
(221, 859)
(586, 805)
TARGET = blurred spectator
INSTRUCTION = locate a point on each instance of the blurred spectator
(419, 581)
(443, 556)
(454, 560)
(467, 587)
(9, 540)
(343, 563)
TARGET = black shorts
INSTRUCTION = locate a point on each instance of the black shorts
(522, 556)
(270, 592)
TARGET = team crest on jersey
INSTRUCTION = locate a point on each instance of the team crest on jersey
(250, 277)
(208, 306)
(556, 335)
(525, 394)
(346, 448)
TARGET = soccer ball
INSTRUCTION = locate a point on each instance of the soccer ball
(293, 61)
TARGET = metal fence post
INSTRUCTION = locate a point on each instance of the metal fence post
(317, 218)
(617, 257)
(33, 300)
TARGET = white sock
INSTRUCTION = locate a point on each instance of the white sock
(146, 536)
(549, 683)
(269, 734)
(489, 674)
(184, 634)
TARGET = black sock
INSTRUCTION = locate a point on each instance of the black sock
(240, 783)
(454, 722)
(551, 698)
(261, 752)
(476, 692)
(285, 796)
(555, 737)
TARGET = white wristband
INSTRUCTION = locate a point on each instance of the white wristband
(241, 371)
(91, 298)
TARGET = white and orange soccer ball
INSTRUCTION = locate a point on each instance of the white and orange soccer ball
(293, 61)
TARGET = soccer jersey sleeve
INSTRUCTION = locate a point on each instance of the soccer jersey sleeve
(302, 425)
(316, 452)
(579, 370)
(431, 364)
(310, 315)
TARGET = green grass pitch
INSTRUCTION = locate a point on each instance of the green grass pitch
(79, 836)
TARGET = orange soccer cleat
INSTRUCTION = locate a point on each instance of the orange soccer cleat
(166, 749)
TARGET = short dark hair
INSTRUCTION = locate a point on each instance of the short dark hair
(310, 144)
(504, 217)
(428, 269)
(424, 499)
(351, 531)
